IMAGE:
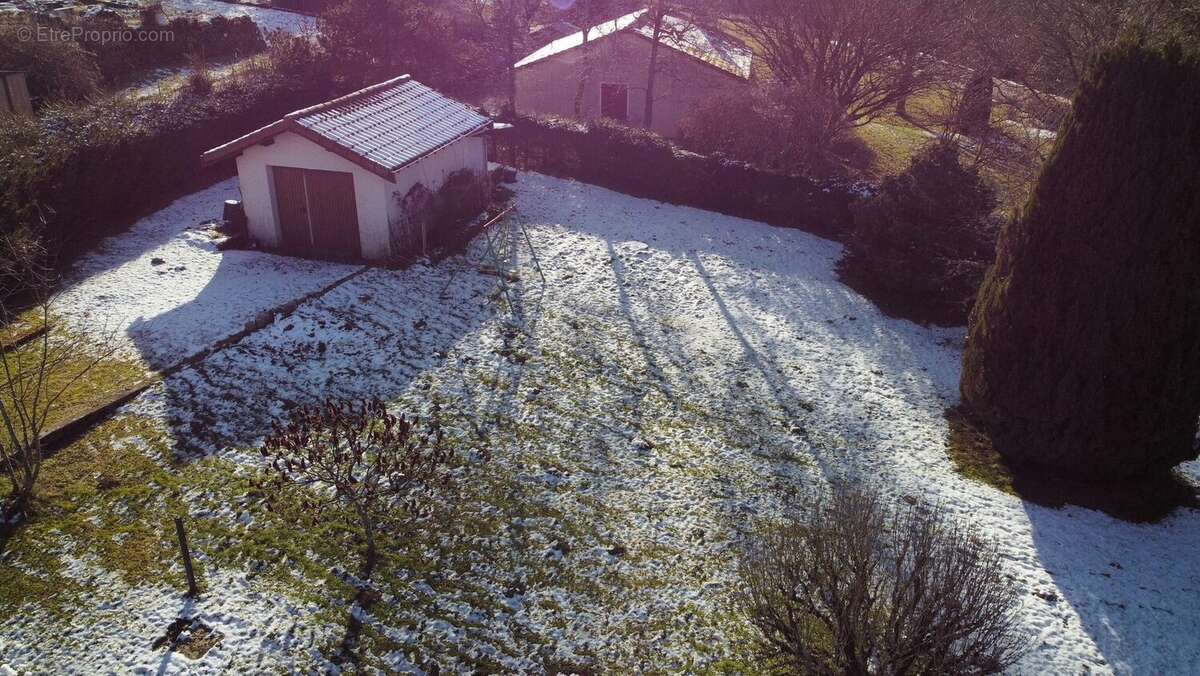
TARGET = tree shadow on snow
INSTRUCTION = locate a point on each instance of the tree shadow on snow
(1135, 587)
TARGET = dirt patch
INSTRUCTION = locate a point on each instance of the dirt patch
(189, 637)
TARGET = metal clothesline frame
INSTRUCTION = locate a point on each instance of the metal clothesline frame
(491, 252)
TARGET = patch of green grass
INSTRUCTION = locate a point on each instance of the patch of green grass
(891, 145)
(974, 455)
(82, 384)
(97, 500)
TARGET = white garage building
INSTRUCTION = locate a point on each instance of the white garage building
(332, 180)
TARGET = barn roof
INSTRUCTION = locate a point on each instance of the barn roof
(710, 46)
(383, 128)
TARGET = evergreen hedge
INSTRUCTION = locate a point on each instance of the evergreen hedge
(640, 163)
(920, 247)
(1083, 358)
(78, 173)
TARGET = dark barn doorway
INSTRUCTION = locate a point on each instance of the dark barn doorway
(614, 101)
(317, 212)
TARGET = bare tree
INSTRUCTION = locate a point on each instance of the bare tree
(509, 22)
(38, 374)
(674, 21)
(589, 13)
(661, 26)
(855, 587)
(862, 56)
(361, 457)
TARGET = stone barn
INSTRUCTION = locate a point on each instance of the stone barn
(357, 177)
(694, 64)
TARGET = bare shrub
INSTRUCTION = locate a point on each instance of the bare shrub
(853, 586)
(901, 49)
(360, 457)
(776, 127)
(199, 80)
(39, 366)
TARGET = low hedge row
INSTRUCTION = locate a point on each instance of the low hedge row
(641, 163)
(81, 173)
(78, 173)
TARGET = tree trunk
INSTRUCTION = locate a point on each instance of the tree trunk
(510, 73)
(906, 81)
(364, 599)
(652, 76)
(585, 74)
(975, 112)
(371, 557)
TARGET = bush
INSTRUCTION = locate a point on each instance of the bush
(773, 129)
(921, 246)
(56, 70)
(1082, 360)
(198, 80)
(463, 196)
(433, 220)
(855, 587)
(357, 456)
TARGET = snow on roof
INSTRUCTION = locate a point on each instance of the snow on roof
(383, 127)
(576, 39)
(712, 47)
(392, 124)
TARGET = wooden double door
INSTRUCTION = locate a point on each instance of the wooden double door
(317, 211)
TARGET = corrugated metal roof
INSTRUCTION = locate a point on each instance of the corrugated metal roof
(576, 39)
(712, 47)
(392, 124)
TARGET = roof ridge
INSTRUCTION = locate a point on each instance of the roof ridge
(633, 23)
(320, 107)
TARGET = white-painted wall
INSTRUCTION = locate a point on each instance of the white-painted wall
(469, 153)
(292, 150)
(378, 200)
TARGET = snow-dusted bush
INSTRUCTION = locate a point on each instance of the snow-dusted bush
(853, 586)
(920, 247)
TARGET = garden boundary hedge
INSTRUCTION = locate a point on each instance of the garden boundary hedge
(77, 174)
(644, 164)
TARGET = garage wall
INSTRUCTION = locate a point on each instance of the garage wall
(469, 153)
(292, 150)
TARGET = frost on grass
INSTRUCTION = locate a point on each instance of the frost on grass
(679, 375)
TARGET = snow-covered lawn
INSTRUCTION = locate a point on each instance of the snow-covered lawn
(166, 292)
(267, 19)
(678, 375)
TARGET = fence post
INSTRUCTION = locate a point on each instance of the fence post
(186, 553)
